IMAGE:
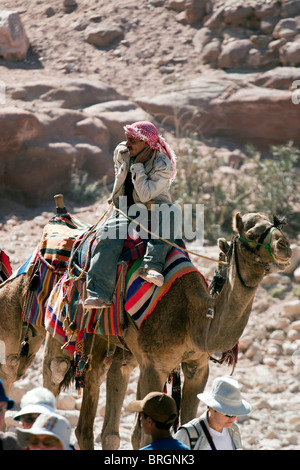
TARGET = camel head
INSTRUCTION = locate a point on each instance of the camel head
(264, 238)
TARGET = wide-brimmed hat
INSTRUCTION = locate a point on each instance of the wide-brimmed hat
(159, 406)
(50, 424)
(225, 397)
(3, 397)
(38, 400)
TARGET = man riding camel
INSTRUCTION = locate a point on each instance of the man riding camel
(145, 167)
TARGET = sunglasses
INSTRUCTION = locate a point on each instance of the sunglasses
(230, 416)
(46, 441)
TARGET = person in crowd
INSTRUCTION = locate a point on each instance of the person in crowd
(158, 412)
(216, 429)
(35, 402)
(49, 432)
(8, 441)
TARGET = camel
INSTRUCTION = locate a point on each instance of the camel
(181, 330)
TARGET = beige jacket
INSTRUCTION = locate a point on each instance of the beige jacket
(151, 180)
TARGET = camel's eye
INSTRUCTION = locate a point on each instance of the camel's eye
(251, 236)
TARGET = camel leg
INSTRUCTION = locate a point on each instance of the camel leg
(136, 435)
(195, 378)
(93, 380)
(116, 386)
(56, 363)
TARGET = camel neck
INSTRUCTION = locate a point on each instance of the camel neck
(233, 304)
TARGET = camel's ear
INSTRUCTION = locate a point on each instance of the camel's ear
(223, 245)
(237, 223)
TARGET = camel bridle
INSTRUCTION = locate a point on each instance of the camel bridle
(270, 229)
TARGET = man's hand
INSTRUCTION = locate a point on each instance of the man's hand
(144, 155)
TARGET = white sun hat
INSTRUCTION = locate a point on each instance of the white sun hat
(50, 424)
(225, 397)
(38, 400)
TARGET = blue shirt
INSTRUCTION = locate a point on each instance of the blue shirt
(166, 444)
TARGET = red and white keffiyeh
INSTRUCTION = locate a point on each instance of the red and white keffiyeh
(144, 130)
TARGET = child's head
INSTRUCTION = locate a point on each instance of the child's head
(160, 407)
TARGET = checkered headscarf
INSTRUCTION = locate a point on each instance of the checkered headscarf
(144, 130)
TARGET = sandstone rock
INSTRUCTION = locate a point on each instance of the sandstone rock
(269, 9)
(292, 308)
(293, 335)
(215, 21)
(195, 10)
(177, 5)
(290, 8)
(234, 53)
(17, 127)
(103, 36)
(270, 444)
(71, 415)
(66, 93)
(286, 28)
(202, 37)
(278, 335)
(13, 40)
(237, 14)
(115, 115)
(290, 54)
(211, 52)
(65, 402)
(295, 325)
(267, 25)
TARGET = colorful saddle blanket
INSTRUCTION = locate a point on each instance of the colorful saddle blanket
(65, 316)
(48, 263)
(5, 268)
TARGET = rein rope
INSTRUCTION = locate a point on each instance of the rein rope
(170, 243)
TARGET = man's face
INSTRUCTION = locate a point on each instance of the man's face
(135, 146)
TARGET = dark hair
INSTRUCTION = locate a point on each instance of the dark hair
(162, 426)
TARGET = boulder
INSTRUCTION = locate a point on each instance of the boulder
(115, 115)
(234, 53)
(13, 40)
(237, 14)
(17, 127)
(103, 36)
(195, 10)
(66, 93)
(286, 28)
(290, 54)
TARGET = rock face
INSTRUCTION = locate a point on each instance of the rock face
(233, 108)
(227, 69)
(60, 138)
(13, 40)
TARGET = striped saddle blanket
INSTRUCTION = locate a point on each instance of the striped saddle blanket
(65, 316)
(47, 264)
